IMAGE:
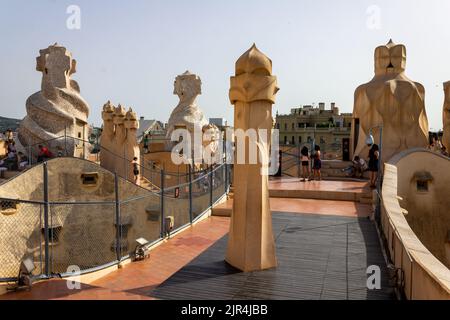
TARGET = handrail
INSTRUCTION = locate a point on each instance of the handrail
(141, 166)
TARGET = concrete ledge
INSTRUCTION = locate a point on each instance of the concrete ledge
(425, 276)
(317, 195)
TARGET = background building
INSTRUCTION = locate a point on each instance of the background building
(9, 123)
(151, 127)
(309, 125)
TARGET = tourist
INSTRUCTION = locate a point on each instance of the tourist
(304, 158)
(44, 154)
(22, 160)
(135, 169)
(11, 147)
(317, 163)
(357, 169)
(10, 161)
(374, 155)
(435, 145)
(146, 143)
(360, 166)
(9, 135)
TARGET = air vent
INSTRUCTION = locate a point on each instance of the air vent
(89, 179)
(8, 207)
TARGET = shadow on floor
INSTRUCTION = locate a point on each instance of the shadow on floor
(319, 257)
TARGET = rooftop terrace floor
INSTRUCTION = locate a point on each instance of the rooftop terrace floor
(320, 257)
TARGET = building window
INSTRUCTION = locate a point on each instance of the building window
(293, 140)
(285, 139)
(299, 139)
(422, 186)
(293, 126)
(285, 126)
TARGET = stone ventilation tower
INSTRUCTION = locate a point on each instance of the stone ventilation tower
(131, 146)
(119, 142)
(58, 109)
(107, 137)
(251, 243)
(187, 115)
(393, 100)
(446, 117)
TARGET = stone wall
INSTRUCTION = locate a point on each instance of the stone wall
(87, 234)
(416, 223)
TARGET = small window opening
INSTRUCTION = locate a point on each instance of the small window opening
(422, 185)
(53, 234)
(8, 207)
(89, 179)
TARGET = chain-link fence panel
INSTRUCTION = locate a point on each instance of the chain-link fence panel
(140, 218)
(82, 235)
(176, 206)
(21, 237)
(218, 183)
(201, 196)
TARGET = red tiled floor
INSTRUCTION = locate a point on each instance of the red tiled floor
(325, 207)
(138, 278)
(323, 185)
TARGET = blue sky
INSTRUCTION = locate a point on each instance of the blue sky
(130, 52)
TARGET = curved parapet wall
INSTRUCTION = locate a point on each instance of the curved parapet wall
(415, 219)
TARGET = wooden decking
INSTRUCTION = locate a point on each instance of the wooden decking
(319, 257)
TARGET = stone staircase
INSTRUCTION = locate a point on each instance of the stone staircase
(145, 183)
(354, 191)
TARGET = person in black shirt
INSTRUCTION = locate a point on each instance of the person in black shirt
(374, 155)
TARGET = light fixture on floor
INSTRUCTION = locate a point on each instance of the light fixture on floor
(25, 278)
(142, 250)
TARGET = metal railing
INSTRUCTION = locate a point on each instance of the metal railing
(60, 234)
(290, 155)
(65, 146)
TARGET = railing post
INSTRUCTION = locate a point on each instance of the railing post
(162, 203)
(30, 161)
(46, 214)
(225, 163)
(211, 186)
(226, 177)
(117, 218)
(142, 165)
(191, 218)
(379, 178)
(65, 141)
(125, 162)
